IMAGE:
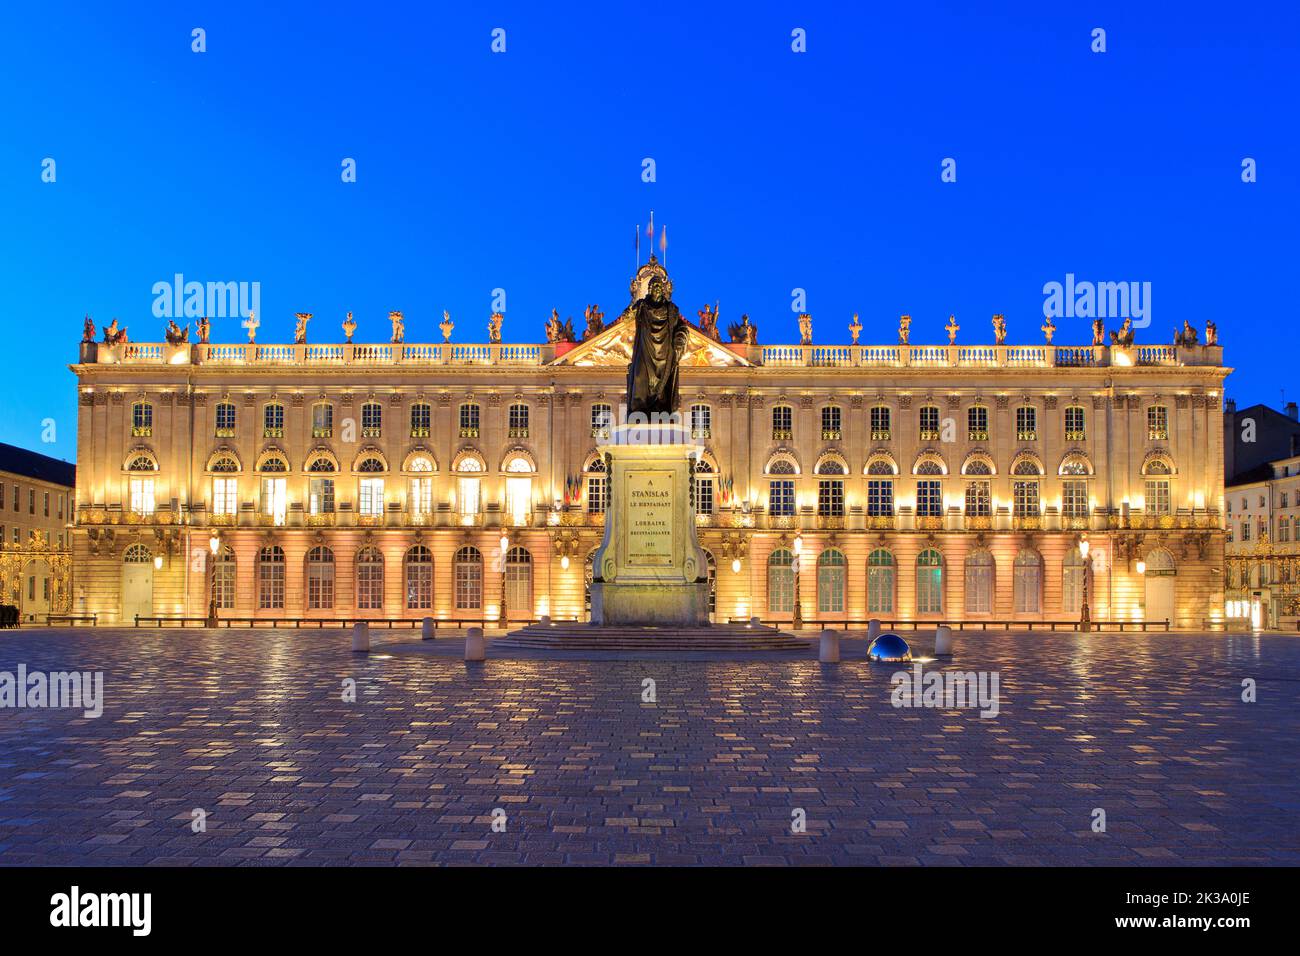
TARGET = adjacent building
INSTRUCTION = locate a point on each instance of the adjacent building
(915, 482)
(36, 495)
(1263, 546)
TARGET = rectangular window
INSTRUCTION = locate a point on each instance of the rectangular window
(929, 499)
(830, 498)
(597, 494)
(142, 496)
(518, 421)
(142, 420)
(1074, 499)
(880, 423)
(62, 503)
(782, 423)
(929, 422)
(602, 420)
(224, 500)
(1157, 497)
(275, 502)
(322, 420)
(1157, 423)
(321, 496)
(47, 503)
(1026, 423)
(780, 497)
(372, 496)
(273, 421)
(1245, 530)
(31, 501)
(977, 423)
(1074, 424)
(226, 420)
(420, 416)
(421, 500)
(372, 420)
(831, 425)
(880, 497)
(702, 495)
(469, 423)
(467, 492)
(701, 421)
(979, 499)
(1024, 499)
(2, 494)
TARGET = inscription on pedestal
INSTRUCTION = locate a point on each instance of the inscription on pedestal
(650, 519)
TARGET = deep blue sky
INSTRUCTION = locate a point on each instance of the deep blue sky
(522, 170)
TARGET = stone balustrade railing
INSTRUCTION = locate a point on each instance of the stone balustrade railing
(778, 356)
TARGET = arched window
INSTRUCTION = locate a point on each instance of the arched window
(418, 572)
(223, 579)
(320, 579)
(929, 582)
(1157, 498)
(224, 465)
(830, 491)
(979, 582)
(270, 578)
(597, 486)
(1073, 574)
(370, 579)
(1028, 583)
(137, 554)
(468, 578)
(780, 581)
(831, 572)
(519, 583)
(880, 582)
(320, 486)
(702, 487)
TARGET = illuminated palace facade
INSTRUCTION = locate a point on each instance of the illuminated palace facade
(923, 482)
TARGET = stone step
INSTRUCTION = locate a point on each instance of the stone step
(588, 637)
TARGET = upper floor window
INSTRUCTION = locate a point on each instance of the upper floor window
(225, 419)
(1026, 423)
(273, 421)
(929, 421)
(977, 423)
(830, 498)
(469, 420)
(780, 497)
(1075, 430)
(518, 420)
(832, 426)
(929, 499)
(597, 487)
(782, 423)
(702, 488)
(602, 420)
(1074, 498)
(1158, 423)
(701, 421)
(322, 420)
(420, 418)
(142, 420)
(880, 497)
(372, 420)
(880, 430)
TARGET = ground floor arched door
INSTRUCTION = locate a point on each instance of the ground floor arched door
(137, 583)
(34, 596)
(1159, 584)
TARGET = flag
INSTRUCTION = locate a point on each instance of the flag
(663, 238)
(650, 229)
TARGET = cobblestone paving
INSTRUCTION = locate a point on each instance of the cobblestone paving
(251, 728)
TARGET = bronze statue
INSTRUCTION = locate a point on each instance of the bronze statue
(658, 343)
(595, 322)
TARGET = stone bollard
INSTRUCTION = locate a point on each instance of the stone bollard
(755, 622)
(873, 629)
(361, 638)
(943, 641)
(475, 649)
(829, 653)
(544, 620)
(426, 629)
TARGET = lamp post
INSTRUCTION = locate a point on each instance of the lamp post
(1085, 617)
(797, 622)
(505, 562)
(214, 545)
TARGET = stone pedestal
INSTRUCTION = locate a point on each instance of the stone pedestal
(650, 570)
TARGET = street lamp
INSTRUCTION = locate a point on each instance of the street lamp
(797, 620)
(214, 544)
(1141, 566)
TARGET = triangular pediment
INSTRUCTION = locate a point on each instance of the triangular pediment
(613, 347)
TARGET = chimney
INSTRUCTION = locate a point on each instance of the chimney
(1231, 407)
(1291, 411)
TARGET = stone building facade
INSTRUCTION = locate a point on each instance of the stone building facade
(36, 494)
(929, 482)
(1263, 548)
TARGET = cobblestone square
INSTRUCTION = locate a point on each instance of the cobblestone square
(251, 728)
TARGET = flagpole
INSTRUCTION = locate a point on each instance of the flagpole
(636, 267)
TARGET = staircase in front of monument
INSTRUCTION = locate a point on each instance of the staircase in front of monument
(593, 637)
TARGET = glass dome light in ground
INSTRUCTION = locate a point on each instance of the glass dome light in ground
(889, 649)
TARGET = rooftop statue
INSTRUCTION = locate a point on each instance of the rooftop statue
(595, 322)
(251, 323)
(904, 329)
(999, 329)
(446, 326)
(1098, 331)
(1124, 337)
(494, 327)
(175, 335)
(300, 330)
(953, 328)
(88, 330)
(349, 326)
(205, 330)
(743, 332)
(1186, 336)
(805, 328)
(709, 322)
(658, 343)
(399, 327)
(855, 328)
(1049, 329)
(113, 335)
(1211, 332)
